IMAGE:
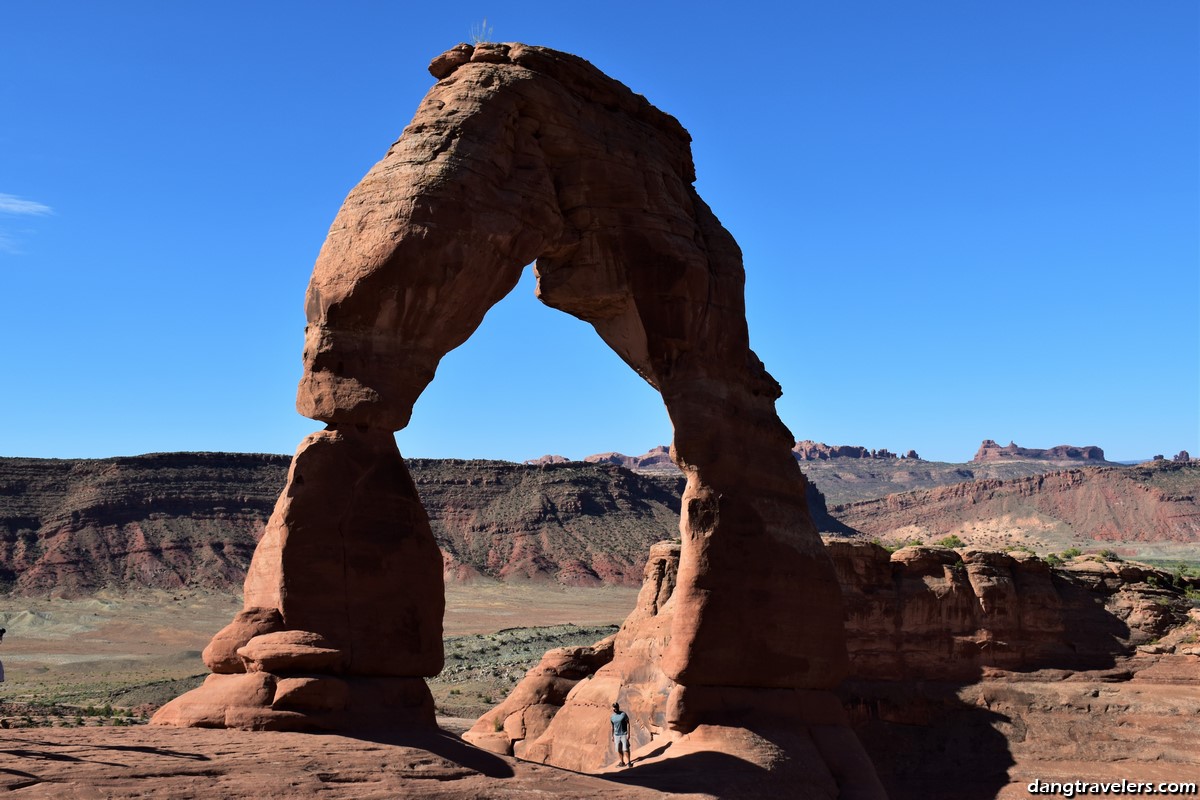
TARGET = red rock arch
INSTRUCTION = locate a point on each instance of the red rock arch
(519, 154)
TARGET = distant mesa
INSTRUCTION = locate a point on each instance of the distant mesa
(655, 460)
(991, 451)
(548, 459)
(808, 450)
(658, 459)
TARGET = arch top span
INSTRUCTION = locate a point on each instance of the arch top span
(517, 154)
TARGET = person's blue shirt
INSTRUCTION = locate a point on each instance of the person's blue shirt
(620, 723)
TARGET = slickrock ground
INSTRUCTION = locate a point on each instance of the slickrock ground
(975, 742)
(180, 764)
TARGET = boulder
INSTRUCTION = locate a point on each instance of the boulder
(290, 652)
(221, 653)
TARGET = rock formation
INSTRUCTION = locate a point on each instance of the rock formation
(932, 613)
(990, 451)
(343, 602)
(523, 154)
(917, 617)
(179, 521)
(808, 450)
(556, 714)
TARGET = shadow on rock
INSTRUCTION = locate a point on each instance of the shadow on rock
(927, 743)
(937, 639)
(807, 761)
(719, 774)
(444, 745)
(50, 754)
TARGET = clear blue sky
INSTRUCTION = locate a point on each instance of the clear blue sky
(960, 219)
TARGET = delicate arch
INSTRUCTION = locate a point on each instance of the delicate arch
(523, 154)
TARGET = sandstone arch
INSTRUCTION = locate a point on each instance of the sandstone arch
(520, 154)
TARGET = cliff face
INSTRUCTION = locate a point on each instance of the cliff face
(1147, 503)
(579, 524)
(70, 527)
(165, 520)
(926, 613)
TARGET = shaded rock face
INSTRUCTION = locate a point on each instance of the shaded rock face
(926, 613)
(521, 154)
(192, 520)
(570, 523)
(344, 602)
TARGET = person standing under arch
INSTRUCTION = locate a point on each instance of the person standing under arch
(620, 731)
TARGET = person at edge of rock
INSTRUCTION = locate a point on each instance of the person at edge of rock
(620, 730)
(3, 722)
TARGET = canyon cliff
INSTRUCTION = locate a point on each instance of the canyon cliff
(1153, 507)
(192, 520)
(937, 639)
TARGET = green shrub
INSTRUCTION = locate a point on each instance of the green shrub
(1053, 560)
(1110, 555)
(952, 541)
(1071, 552)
